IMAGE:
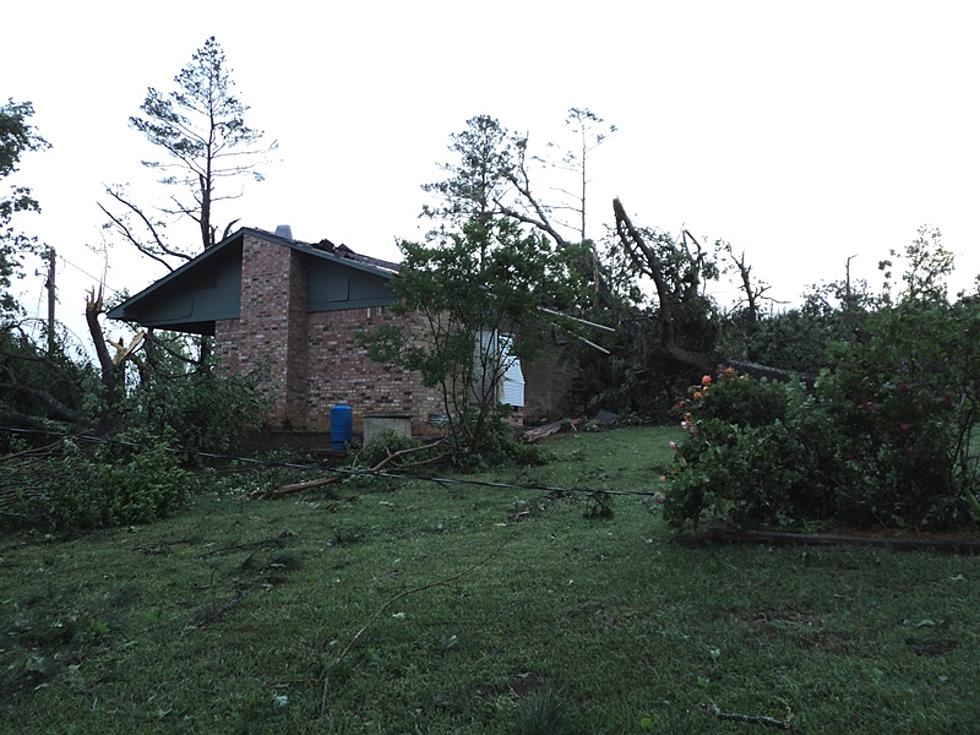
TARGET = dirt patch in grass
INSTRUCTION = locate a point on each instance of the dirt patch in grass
(801, 628)
(930, 648)
(824, 641)
(771, 622)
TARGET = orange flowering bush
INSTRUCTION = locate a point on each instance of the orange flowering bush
(883, 440)
(750, 454)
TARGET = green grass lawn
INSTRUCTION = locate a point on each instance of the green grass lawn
(225, 618)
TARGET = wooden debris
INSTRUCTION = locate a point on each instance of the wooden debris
(754, 719)
(299, 487)
(540, 432)
(728, 533)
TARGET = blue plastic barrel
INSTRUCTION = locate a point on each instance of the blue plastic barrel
(341, 422)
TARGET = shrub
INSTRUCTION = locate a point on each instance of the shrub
(906, 396)
(208, 412)
(500, 444)
(873, 446)
(743, 402)
(110, 485)
(756, 453)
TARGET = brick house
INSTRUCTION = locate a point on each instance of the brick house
(292, 310)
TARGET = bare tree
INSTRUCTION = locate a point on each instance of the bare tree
(753, 289)
(206, 150)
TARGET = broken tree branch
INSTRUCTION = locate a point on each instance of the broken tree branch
(645, 260)
(320, 482)
(754, 719)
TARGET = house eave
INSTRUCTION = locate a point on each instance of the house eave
(126, 311)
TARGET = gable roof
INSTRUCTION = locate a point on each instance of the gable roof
(323, 250)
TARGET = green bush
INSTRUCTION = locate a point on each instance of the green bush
(743, 402)
(208, 412)
(756, 453)
(110, 485)
(384, 445)
(500, 445)
(906, 396)
(883, 441)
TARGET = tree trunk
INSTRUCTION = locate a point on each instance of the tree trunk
(111, 374)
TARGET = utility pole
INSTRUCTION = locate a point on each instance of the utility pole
(49, 284)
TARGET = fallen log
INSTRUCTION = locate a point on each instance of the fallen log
(540, 432)
(725, 533)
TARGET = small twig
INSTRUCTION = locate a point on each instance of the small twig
(754, 719)
(276, 542)
(216, 611)
(388, 603)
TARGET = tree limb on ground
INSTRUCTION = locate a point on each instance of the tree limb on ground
(754, 719)
(321, 481)
(541, 432)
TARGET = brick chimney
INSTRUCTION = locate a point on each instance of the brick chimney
(271, 334)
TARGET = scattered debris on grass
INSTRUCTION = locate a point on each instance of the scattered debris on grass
(764, 720)
(299, 487)
(274, 542)
(540, 432)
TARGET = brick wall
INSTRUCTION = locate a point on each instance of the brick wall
(311, 361)
(345, 373)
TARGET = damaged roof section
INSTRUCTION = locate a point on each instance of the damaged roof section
(208, 287)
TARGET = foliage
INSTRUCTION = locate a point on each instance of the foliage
(112, 484)
(908, 397)
(477, 180)
(383, 445)
(209, 413)
(38, 385)
(17, 136)
(469, 288)
(885, 439)
(636, 378)
(496, 171)
(927, 266)
(793, 340)
(757, 453)
(499, 444)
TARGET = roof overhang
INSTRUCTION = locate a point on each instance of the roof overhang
(135, 308)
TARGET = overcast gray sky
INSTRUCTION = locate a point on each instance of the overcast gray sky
(803, 133)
